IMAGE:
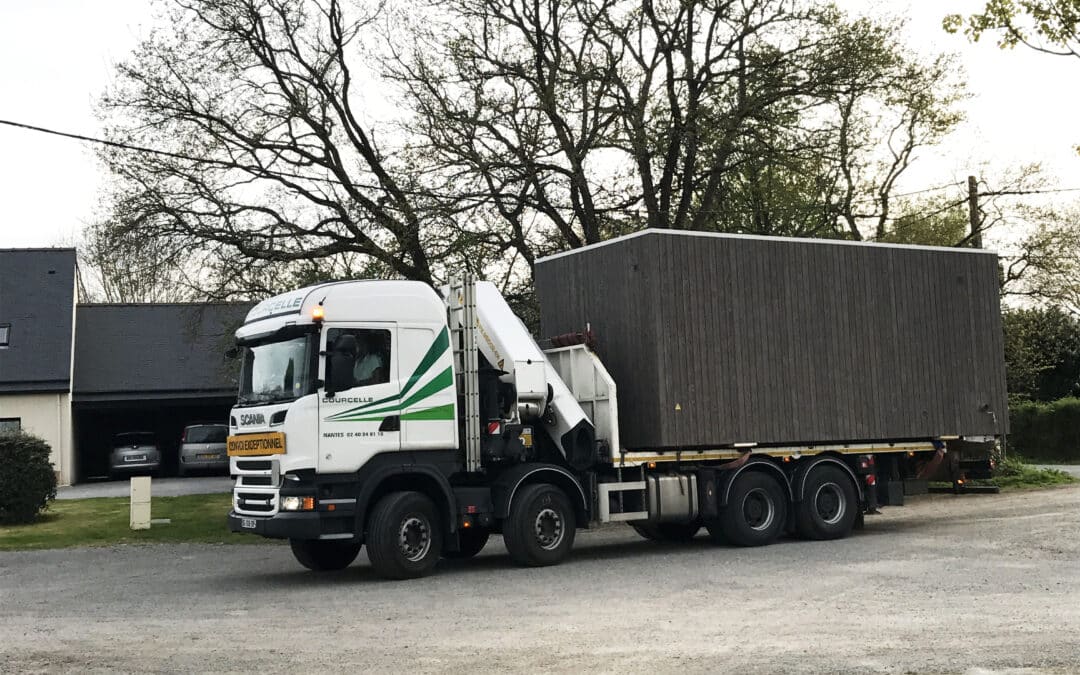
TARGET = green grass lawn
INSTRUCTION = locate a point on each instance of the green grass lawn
(1015, 473)
(104, 522)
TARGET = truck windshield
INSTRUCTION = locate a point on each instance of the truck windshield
(276, 371)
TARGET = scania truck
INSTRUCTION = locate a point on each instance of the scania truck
(417, 421)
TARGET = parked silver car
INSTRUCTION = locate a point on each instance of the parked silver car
(202, 447)
(134, 452)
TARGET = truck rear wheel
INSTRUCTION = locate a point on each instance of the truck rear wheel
(829, 505)
(324, 556)
(755, 513)
(404, 539)
(470, 542)
(677, 532)
(540, 528)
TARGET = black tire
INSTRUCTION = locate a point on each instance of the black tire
(672, 532)
(541, 526)
(324, 556)
(470, 542)
(830, 504)
(404, 536)
(756, 511)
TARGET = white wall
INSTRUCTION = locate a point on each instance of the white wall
(47, 416)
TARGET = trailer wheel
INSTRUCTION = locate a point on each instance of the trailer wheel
(829, 505)
(324, 556)
(540, 528)
(404, 538)
(675, 532)
(470, 542)
(756, 511)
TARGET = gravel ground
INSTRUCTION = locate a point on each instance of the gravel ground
(953, 584)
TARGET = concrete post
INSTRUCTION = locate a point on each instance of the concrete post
(140, 503)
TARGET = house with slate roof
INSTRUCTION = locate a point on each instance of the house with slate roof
(77, 374)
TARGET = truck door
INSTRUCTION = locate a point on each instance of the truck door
(363, 420)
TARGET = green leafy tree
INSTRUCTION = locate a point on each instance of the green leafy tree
(1042, 353)
(1049, 26)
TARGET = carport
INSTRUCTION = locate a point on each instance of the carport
(149, 367)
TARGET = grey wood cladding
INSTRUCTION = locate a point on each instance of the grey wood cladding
(778, 340)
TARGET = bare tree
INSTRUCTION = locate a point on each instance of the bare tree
(519, 128)
(269, 150)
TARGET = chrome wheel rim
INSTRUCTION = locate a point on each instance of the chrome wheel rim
(414, 538)
(829, 503)
(758, 509)
(549, 529)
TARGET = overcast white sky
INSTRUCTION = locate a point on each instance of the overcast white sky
(56, 56)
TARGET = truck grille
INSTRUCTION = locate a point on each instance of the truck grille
(256, 502)
(257, 486)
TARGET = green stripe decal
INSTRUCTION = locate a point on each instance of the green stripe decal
(437, 348)
(442, 412)
(443, 380)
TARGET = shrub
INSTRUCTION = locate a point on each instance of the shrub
(1046, 431)
(27, 481)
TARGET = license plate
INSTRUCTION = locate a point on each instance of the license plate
(247, 523)
(244, 445)
(135, 458)
(210, 456)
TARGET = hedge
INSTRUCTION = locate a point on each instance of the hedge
(1047, 432)
(27, 481)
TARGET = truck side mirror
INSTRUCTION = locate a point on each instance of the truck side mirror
(340, 359)
(232, 352)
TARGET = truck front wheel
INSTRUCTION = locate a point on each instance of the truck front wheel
(324, 556)
(756, 511)
(404, 539)
(540, 528)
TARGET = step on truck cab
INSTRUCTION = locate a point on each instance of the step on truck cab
(416, 422)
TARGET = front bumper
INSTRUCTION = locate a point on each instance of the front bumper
(306, 525)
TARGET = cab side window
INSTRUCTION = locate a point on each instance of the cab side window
(371, 364)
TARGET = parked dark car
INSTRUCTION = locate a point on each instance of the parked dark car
(134, 452)
(202, 448)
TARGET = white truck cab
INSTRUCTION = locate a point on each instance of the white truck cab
(351, 390)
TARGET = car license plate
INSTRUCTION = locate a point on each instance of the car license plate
(247, 523)
(135, 458)
(209, 456)
(244, 445)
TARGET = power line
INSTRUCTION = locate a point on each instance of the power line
(284, 174)
(188, 158)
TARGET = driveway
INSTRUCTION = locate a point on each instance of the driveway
(949, 583)
(159, 487)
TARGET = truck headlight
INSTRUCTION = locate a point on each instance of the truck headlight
(297, 503)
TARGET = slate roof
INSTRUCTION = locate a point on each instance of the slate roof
(37, 296)
(129, 352)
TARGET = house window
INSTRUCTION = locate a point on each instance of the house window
(5, 334)
(10, 424)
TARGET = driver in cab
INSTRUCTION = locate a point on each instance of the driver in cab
(370, 366)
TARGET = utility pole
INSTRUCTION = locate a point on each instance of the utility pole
(973, 212)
